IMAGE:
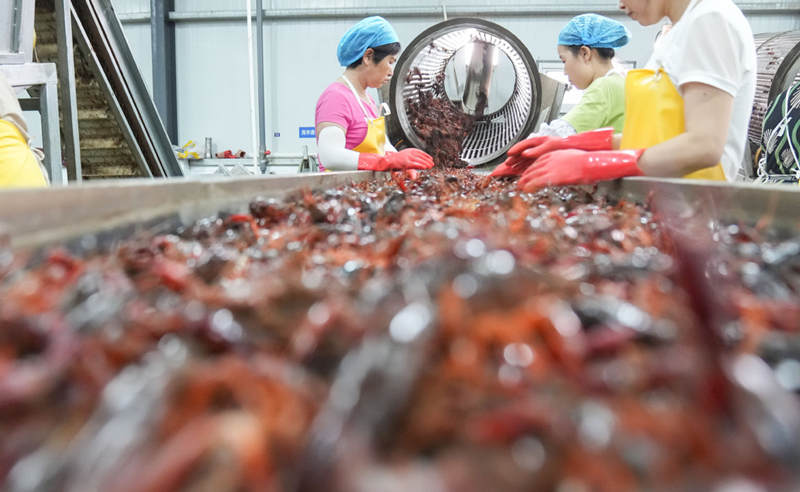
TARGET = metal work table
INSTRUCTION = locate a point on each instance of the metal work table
(275, 164)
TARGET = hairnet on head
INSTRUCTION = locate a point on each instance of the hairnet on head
(594, 31)
(367, 33)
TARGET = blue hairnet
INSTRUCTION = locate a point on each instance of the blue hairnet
(368, 33)
(594, 31)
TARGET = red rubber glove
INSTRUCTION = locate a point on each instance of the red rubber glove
(505, 169)
(564, 167)
(532, 148)
(395, 161)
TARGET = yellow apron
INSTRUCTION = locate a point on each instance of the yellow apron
(18, 166)
(654, 114)
(375, 140)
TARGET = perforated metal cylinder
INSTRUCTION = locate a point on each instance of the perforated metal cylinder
(432, 51)
(778, 67)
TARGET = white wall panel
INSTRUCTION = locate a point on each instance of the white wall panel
(207, 5)
(213, 85)
(213, 90)
(305, 57)
(774, 23)
(131, 6)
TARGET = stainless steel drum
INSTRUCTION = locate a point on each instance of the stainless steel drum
(482, 70)
(778, 67)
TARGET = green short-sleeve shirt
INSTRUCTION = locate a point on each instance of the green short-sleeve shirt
(602, 105)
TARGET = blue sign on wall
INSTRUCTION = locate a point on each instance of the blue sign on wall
(308, 132)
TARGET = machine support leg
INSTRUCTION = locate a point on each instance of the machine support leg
(262, 129)
(48, 108)
(165, 92)
(66, 77)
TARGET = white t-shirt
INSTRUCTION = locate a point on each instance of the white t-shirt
(712, 43)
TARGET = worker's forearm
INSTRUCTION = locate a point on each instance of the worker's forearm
(339, 159)
(332, 152)
(680, 156)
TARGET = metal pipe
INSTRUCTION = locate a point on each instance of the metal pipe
(48, 108)
(251, 70)
(66, 83)
(289, 155)
(165, 91)
(262, 128)
(16, 26)
(788, 7)
(273, 84)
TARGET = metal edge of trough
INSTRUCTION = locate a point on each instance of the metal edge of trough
(36, 217)
(776, 207)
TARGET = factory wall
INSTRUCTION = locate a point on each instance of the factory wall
(300, 52)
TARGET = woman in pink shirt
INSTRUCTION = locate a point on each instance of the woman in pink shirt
(351, 130)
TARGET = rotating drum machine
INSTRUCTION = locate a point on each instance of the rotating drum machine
(479, 68)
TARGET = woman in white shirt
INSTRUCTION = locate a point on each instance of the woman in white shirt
(692, 123)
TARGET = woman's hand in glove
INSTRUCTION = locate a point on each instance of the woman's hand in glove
(565, 167)
(395, 161)
(524, 153)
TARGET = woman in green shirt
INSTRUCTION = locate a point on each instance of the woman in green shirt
(586, 46)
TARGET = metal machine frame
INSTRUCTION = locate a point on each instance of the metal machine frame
(42, 75)
(17, 65)
(552, 97)
(69, 98)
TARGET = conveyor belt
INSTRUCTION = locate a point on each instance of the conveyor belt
(105, 151)
(121, 132)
